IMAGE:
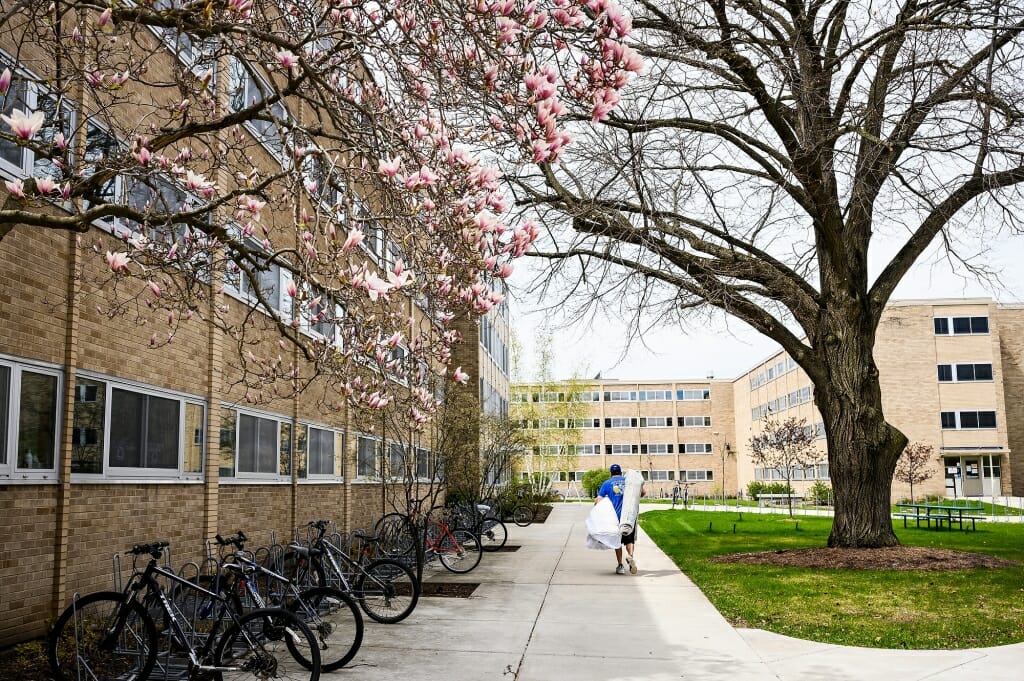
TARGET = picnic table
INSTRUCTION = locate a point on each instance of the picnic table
(939, 514)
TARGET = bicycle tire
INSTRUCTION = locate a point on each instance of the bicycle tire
(493, 534)
(459, 551)
(522, 515)
(387, 591)
(255, 647)
(336, 624)
(75, 640)
(396, 534)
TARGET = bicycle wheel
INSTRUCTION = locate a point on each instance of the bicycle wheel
(522, 515)
(268, 643)
(493, 534)
(335, 622)
(459, 551)
(100, 637)
(396, 534)
(387, 591)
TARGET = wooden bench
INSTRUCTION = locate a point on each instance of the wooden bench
(918, 517)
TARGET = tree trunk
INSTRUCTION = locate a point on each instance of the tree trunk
(862, 447)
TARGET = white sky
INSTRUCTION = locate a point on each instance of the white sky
(724, 347)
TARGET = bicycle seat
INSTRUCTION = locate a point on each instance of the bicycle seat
(304, 551)
(360, 534)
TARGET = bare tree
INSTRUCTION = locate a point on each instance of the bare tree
(783, 446)
(914, 465)
(757, 160)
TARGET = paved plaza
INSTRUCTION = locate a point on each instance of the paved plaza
(555, 611)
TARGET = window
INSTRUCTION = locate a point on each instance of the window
(696, 476)
(695, 448)
(968, 420)
(320, 451)
(656, 395)
(689, 395)
(584, 423)
(267, 280)
(28, 421)
(656, 422)
(620, 396)
(660, 476)
(656, 449)
(367, 450)
(245, 91)
(620, 422)
(27, 96)
(122, 430)
(423, 464)
(373, 239)
(258, 442)
(188, 49)
(961, 373)
(587, 396)
(621, 449)
(585, 450)
(143, 430)
(693, 421)
(961, 325)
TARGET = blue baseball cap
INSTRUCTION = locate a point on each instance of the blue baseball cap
(616, 469)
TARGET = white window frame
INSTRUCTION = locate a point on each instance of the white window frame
(690, 422)
(9, 470)
(667, 422)
(110, 383)
(691, 395)
(950, 324)
(332, 476)
(255, 85)
(697, 448)
(696, 475)
(620, 396)
(245, 476)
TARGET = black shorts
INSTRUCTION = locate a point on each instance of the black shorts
(629, 538)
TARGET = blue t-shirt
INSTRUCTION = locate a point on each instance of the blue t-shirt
(613, 488)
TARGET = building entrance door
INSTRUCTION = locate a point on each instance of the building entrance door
(972, 477)
(954, 479)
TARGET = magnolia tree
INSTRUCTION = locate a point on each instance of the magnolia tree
(783, 447)
(915, 465)
(313, 156)
(787, 163)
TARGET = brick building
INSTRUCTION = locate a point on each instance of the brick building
(951, 373)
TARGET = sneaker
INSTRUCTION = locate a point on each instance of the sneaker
(632, 565)
(620, 570)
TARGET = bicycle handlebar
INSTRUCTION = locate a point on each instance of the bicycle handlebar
(155, 549)
(238, 540)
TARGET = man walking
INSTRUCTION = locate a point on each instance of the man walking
(613, 488)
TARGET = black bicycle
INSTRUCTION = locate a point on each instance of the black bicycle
(111, 636)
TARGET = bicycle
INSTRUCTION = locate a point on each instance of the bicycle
(458, 549)
(385, 589)
(330, 613)
(507, 508)
(110, 635)
(481, 520)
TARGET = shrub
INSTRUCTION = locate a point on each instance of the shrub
(592, 480)
(819, 493)
(755, 487)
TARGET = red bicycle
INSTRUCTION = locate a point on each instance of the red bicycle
(459, 550)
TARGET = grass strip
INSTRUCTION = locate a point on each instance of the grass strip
(872, 608)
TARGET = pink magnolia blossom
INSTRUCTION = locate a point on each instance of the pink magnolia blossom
(118, 261)
(375, 286)
(155, 288)
(460, 376)
(143, 155)
(355, 237)
(23, 124)
(292, 289)
(173, 251)
(5, 81)
(16, 188)
(45, 185)
(390, 168)
(95, 78)
(105, 22)
(287, 60)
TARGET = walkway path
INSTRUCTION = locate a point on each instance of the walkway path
(555, 611)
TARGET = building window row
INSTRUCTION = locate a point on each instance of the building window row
(782, 367)
(613, 396)
(617, 422)
(813, 472)
(961, 326)
(962, 373)
(968, 420)
(781, 403)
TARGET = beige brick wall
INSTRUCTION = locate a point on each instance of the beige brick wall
(27, 525)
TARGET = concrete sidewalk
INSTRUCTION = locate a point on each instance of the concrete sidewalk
(555, 611)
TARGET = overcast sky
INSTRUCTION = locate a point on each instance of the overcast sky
(727, 347)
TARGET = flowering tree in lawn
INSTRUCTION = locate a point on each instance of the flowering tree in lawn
(915, 465)
(783, 446)
(317, 157)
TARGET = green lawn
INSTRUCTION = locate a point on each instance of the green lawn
(875, 608)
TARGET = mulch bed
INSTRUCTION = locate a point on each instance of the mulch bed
(448, 589)
(541, 513)
(889, 558)
(507, 548)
